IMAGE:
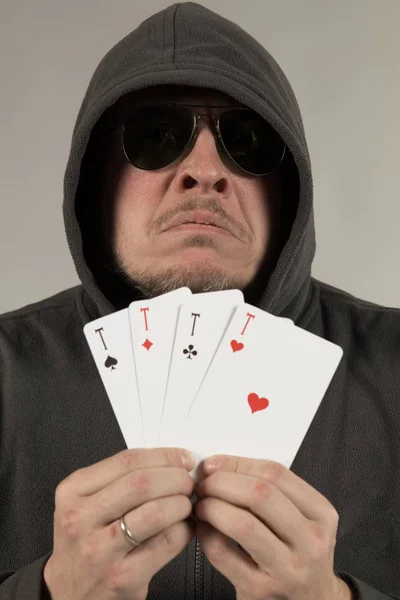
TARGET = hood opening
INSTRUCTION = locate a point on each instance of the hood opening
(92, 207)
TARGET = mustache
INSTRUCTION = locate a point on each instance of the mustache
(211, 205)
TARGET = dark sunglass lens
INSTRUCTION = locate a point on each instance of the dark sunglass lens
(154, 137)
(252, 143)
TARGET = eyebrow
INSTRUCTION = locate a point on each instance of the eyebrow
(190, 101)
(116, 117)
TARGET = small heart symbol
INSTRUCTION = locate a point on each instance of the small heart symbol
(256, 403)
(236, 346)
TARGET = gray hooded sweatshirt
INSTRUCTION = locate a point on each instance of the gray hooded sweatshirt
(55, 416)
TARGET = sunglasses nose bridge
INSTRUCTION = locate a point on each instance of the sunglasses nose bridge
(213, 121)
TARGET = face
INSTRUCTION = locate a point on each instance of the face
(197, 222)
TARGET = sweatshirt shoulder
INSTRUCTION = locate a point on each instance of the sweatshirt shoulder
(57, 302)
(330, 294)
(365, 325)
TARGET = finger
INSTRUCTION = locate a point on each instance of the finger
(308, 500)
(148, 520)
(231, 561)
(264, 500)
(136, 488)
(264, 547)
(89, 480)
(151, 556)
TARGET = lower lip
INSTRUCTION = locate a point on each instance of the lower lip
(199, 228)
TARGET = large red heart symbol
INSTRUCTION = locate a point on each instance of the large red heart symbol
(236, 346)
(256, 403)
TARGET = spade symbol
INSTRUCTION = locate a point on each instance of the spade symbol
(110, 362)
(190, 352)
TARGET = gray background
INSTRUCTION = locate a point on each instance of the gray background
(342, 59)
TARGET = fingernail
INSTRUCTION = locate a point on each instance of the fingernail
(211, 464)
(187, 459)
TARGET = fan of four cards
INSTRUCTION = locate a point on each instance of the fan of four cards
(211, 373)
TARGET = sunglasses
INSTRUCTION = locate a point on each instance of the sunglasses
(154, 136)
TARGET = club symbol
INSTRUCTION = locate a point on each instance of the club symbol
(111, 362)
(190, 352)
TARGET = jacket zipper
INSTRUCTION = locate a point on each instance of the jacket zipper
(198, 573)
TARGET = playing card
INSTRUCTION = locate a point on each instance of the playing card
(262, 390)
(153, 324)
(109, 340)
(202, 321)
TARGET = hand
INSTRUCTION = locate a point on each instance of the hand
(286, 528)
(92, 558)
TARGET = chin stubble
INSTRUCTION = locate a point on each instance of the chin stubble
(198, 280)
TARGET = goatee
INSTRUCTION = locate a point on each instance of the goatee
(198, 278)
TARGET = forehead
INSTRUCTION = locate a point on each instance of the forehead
(185, 94)
(202, 96)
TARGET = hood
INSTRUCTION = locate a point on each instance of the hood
(188, 44)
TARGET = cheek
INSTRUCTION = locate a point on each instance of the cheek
(260, 210)
(135, 201)
(269, 197)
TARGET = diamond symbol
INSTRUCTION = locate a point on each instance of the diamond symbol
(147, 344)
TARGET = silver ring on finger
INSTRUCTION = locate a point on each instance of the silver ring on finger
(134, 543)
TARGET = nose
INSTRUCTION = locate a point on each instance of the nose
(206, 134)
(203, 164)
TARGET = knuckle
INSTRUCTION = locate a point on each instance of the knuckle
(319, 534)
(170, 540)
(323, 549)
(273, 470)
(322, 538)
(187, 482)
(246, 527)
(298, 565)
(215, 551)
(153, 514)
(138, 481)
(129, 458)
(70, 522)
(214, 481)
(322, 545)
(185, 507)
(104, 500)
(173, 456)
(62, 491)
(255, 591)
(90, 549)
(258, 591)
(116, 578)
(262, 491)
(114, 530)
(333, 517)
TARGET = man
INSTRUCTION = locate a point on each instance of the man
(143, 218)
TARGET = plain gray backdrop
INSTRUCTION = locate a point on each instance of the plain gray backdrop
(342, 59)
